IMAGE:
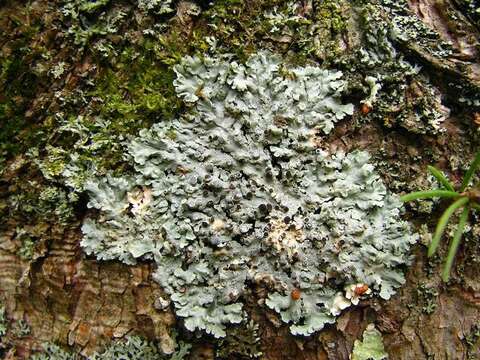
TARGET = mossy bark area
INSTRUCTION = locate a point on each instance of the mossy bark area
(109, 68)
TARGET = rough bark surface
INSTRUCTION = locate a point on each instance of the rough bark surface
(78, 302)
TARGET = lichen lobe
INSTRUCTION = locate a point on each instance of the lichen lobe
(235, 192)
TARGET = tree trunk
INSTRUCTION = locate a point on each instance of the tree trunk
(60, 60)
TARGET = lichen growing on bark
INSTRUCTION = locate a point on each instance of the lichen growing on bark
(371, 347)
(131, 348)
(77, 104)
(236, 191)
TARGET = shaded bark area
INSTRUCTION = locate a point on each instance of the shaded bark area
(68, 298)
(413, 332)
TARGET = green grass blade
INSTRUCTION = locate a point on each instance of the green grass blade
(476, 206)
(429, 194)
(468, 176)
(440, 178)
(442, 223)
(452, 251)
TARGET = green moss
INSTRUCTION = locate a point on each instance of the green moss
(19, 84)
(91, 6)
(53, 164)
(40, 203)
(132, 94)
(139, 87)
(241, 27)
(133, 84)
(331, 14)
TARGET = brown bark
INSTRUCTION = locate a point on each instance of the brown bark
(68, 298)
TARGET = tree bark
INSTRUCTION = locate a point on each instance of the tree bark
(78, 302)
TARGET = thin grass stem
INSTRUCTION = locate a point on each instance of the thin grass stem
(441, 178)
(442, 223)
(476, 206)
(429, 194)
(468, 176)
(452, 250)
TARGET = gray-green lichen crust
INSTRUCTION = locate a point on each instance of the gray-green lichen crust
(131, 348)
(236, 192)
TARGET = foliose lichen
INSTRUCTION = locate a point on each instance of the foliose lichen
(78, 14)
(408, 28)
(237, 191)
(94, 20)
(371, 347)
(137, 348)
(21, 328)
(156, 6)
(131, 348)
(52, 351)
(396, 89)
